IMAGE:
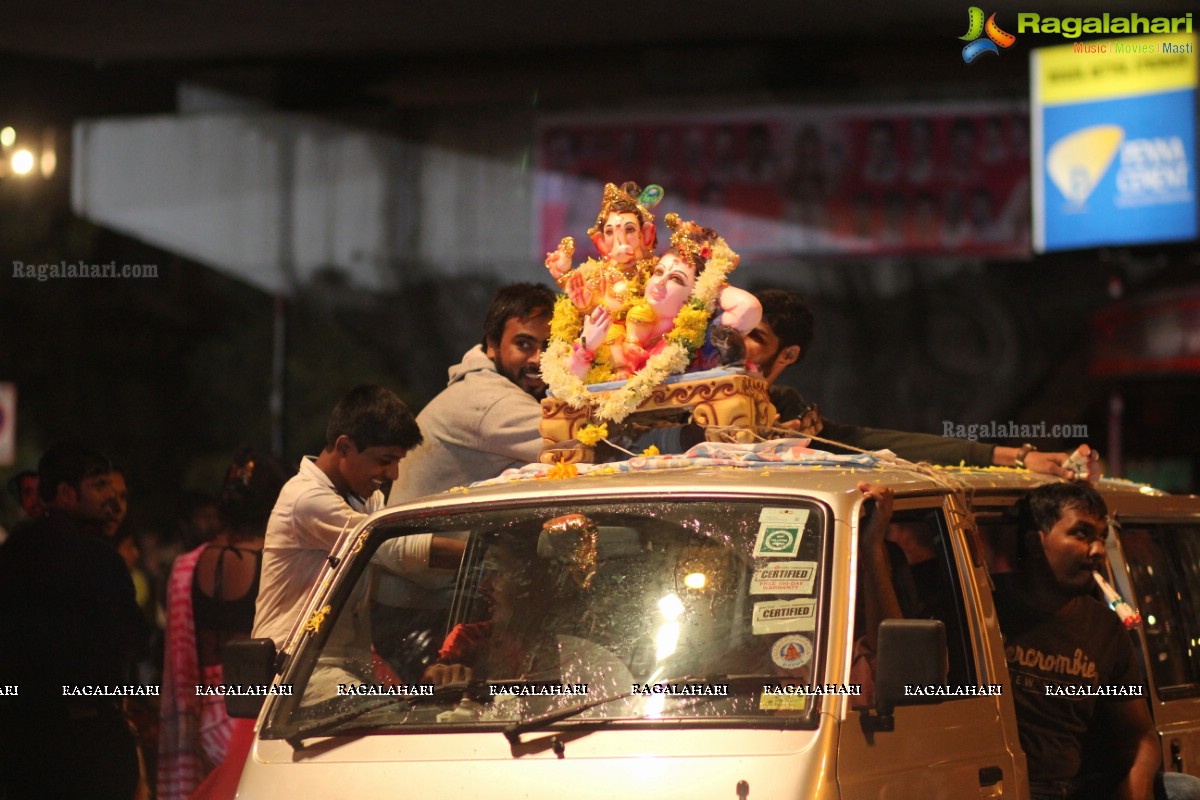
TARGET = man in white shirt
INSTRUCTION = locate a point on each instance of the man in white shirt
(368, 434)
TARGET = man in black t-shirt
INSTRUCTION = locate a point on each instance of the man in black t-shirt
(70, 633)
(1072, 664)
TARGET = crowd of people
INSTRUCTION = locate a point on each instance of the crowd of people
(77, 606)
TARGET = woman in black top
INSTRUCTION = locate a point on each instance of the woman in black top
(211, 599)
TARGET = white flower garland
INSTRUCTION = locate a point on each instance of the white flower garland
(673, 359)
(562, 382)
(620, 403)
(708, 287)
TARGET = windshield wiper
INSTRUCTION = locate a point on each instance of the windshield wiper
(451, 691)
(513, 732)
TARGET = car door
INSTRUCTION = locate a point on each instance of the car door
(965, 746)
(1156, 563)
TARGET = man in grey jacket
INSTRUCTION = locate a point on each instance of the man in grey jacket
(486, 419)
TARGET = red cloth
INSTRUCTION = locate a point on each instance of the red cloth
(463, 644)
(480, 645)
(222, 782)
(384, 674)
(181, 761)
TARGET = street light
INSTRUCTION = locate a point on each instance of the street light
(28, 155)
(22, 162)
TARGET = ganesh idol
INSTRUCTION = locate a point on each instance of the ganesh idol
(625, 236)
(666, 329)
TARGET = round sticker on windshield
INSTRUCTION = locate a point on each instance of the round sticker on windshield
(791, 652)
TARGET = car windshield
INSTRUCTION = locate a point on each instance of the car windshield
(691, 612)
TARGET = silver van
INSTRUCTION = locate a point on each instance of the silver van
(687, 632)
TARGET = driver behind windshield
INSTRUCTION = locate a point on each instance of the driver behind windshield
(515, 642)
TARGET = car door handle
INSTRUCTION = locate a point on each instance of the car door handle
(991, 782)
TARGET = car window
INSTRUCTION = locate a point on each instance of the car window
(1164, 564)
(689, 608)
(926, 581)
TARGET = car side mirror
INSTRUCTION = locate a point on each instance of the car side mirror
(911, 652)
(248, 665)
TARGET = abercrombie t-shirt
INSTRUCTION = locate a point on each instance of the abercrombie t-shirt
(1063, 666)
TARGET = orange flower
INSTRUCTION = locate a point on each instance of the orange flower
(562, 470)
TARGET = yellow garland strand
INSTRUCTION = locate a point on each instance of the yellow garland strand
(690, 326)
(589, 435)
(567, 322)
(561, 471)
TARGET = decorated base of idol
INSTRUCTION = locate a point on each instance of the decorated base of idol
(640, 341)
(730, 406)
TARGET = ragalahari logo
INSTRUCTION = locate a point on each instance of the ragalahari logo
(976, 27)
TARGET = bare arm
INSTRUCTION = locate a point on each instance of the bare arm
(408, 554)
(446, 553)
(1135, 736)
(880, 598)
(1049, 463)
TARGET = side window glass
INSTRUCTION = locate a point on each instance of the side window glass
(925, 577)
(1164, 562)
(998, 535)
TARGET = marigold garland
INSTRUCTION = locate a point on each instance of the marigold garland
(561, 471)
(567, 322)
(620, 403)
(599, 373)
(590, 435)
(691, 323)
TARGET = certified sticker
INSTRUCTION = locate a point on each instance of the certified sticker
(784, 616)
(791, 652)
(784, 577)
(782, 702)
(778, 541)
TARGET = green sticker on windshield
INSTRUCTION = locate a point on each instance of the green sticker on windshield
(777, 541)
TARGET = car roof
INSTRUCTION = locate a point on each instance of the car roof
(830, 484)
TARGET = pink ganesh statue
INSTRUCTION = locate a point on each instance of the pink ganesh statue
(630, 321)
